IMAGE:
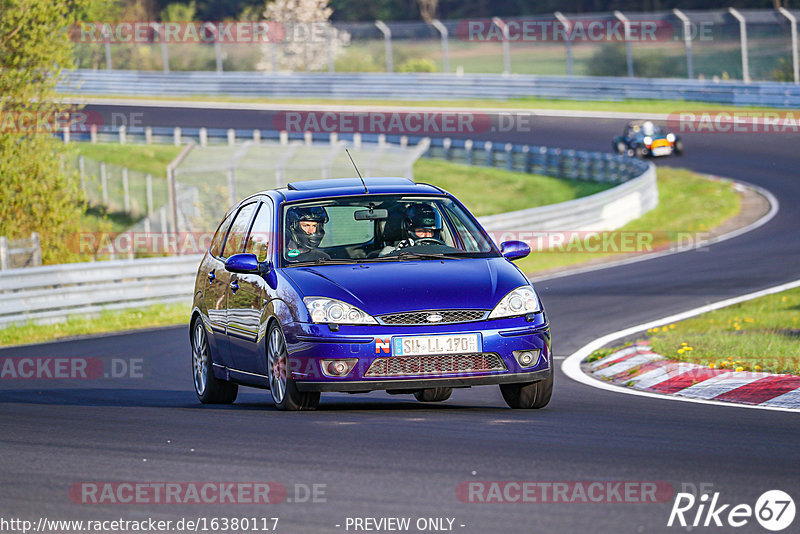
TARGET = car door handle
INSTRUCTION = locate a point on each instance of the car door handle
(234, 286)
(211, 277)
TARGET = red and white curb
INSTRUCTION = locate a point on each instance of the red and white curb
(640, 368)
(676, 381)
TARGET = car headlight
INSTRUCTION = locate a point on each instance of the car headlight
(671, 137)
(519, 301)
(325, 310)
(648, 141)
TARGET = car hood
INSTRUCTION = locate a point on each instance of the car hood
(379, 288)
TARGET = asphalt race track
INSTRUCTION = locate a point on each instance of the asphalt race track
(390, 456)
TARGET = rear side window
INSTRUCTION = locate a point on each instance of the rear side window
(238, 232)
(216, 243)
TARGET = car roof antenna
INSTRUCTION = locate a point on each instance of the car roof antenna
(357, 171)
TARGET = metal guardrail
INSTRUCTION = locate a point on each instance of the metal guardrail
(425, 86)
(20, 252)
(54, 292)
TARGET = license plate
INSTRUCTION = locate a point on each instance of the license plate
(662, 151)
(443, 344)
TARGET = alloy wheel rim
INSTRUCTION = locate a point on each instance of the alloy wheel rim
(277, 366)
(200, 359)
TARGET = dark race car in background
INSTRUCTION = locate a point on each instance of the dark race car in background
(644, 138)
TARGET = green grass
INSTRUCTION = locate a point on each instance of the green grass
(151, 159)
(107, 321)
(758, 335)
(688, 203)
(628, 106)
(487, 191)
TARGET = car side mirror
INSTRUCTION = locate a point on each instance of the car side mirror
(514, 250)
(243, 264)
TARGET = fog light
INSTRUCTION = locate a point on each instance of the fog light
(527, 358)
(337, 367)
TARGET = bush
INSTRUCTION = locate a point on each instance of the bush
(417, 65)
(611, 60)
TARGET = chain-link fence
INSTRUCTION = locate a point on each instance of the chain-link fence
(725, 44)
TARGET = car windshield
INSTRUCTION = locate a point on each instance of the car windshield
(378, 228)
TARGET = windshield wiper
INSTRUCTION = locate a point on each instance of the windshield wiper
(426, 255)
(324, 261)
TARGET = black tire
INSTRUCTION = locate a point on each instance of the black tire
(283, 389)
(621, 148)
(209, 388)
(640, 152)
(433, 394)
(528, 395)
(678, 148)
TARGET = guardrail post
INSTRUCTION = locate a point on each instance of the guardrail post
(148, 184)
(503, 27)
(403, 141)
(539, 157)
(509, 156)
(171, 186)
(36, 249)
(164, 52)
(217, 44)
(446, 145)
(65, 132)
(387, 39)
(308, 138)
(443, 33)
(468, 151)
(93, 133)
(487, 147)
(82, 173)
(526, 158)
(357, 140)
(743, 42)
(203, 136)
(126, 194)
(284, 138)
(687, 40)
(257, 136)
(567, 39)
(329, 33)
(793, 22)
(107, 46)
(123, 134)
(333, 138)
(3, 253)
(231, 137)
(104, 182)
(626, 24)
(148, 135)
(176, 136)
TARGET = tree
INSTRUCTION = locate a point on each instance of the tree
(37, 194)
(308, 36)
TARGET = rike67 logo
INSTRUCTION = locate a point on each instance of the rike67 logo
(774, 510)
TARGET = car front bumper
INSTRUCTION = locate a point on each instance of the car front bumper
(310, 344)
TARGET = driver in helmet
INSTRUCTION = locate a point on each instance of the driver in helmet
(648, 128)
(422, 226)
(305, 230)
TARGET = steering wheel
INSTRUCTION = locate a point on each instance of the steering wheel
(429, 241)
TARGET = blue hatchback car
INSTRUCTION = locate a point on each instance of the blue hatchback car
(346, 285)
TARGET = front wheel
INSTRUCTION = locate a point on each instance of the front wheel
(209, 388)
(282, 387)
(528, 395)
(433, 394)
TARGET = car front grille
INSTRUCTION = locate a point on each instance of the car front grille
(437, 364)
(424, 317)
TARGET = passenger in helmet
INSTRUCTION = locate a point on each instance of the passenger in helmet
(648, 128)
(422, 226)
(305, 228)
